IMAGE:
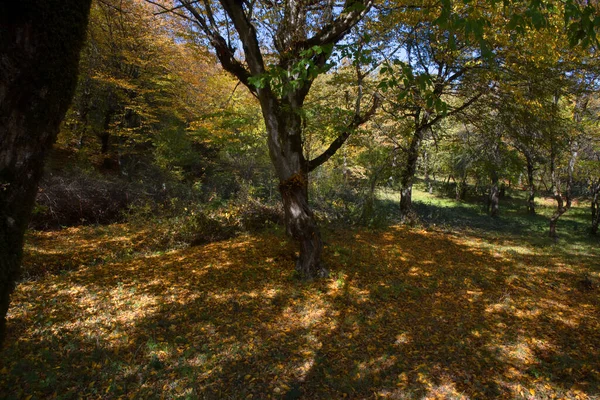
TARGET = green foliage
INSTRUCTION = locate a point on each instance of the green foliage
(305, 69)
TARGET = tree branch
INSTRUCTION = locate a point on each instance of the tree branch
(247, 33)
(344, 135)
(452, 112)
(224, 52)
(332, 33)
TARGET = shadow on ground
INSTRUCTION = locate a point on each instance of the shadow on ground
(406, 314)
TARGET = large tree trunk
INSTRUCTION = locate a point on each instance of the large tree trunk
(284, 126)
(301, 225)
(407, 176)
(39, 53)
(530, 187)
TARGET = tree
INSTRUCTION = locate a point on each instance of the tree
(135, 80)
(281, 59)
(428, 83)
(39, 54)
(563, 156)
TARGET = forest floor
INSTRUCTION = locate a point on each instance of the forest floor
(458, 308)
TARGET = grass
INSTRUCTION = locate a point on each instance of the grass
(463, 307)
(514, 222)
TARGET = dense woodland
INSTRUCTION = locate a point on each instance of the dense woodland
(300, 199)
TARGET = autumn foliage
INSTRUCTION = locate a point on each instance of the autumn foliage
(407, 313)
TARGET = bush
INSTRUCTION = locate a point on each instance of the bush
(80, 198)
(190, 224)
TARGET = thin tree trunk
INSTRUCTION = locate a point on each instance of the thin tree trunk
(561, 208)
(407, 176)
(461, 187)
(369, 206)
(530, 187)
(563, 202)
(595, 206)
(494, 200)
(39, 53)
(105, 135)
(428, 182)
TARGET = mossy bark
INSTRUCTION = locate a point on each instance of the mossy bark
(40, 42)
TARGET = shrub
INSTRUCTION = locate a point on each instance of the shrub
(80, 198)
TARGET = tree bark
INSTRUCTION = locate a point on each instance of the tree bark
(428, 182)
(461, 187)
(301, 225)
(39, 54)
(407, 176)
(284, 126)
(494, 200)
(595, 206)
(530, 187)
(563, 200)
(369, 205)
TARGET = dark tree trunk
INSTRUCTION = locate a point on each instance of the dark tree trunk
(494, 199)
(407, 176)
(39, 53)
(563, 200)
(406, 202)
(530, 187)
(461, 187)
(369, 206)
(428, 182)
(105, 134)
(561, 208)
(301, 225)
(595, 205)
(284, 126)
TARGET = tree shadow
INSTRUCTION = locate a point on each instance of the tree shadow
(406, 314)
